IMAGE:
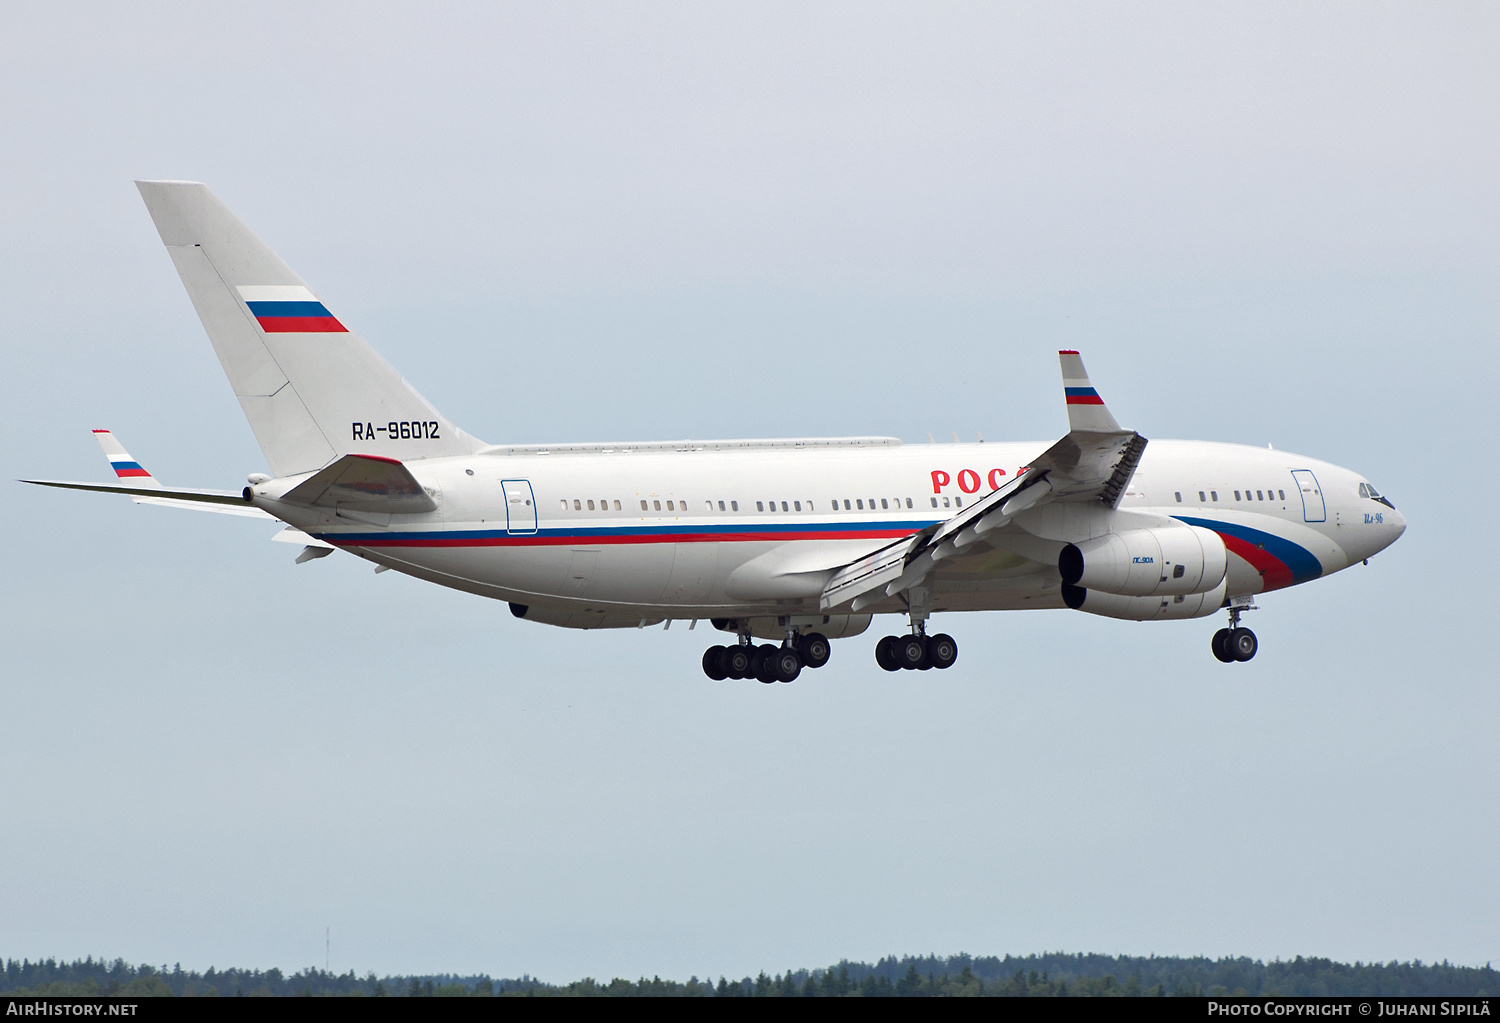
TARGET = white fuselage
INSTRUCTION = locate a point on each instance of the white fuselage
(613, 535)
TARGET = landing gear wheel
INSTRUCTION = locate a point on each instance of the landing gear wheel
(885, 654)
(737, 662)
(1220, 645)
(815, 649)
(911, 652)
(713, 663)
(786, 664)
(942, 650)
(763, 663)
(1242, 644)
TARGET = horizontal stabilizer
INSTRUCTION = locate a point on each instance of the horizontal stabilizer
(369, 483)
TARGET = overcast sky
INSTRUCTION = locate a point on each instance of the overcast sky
(1261, 223)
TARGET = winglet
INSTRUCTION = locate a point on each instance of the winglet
(1087, 412)
(126, 468)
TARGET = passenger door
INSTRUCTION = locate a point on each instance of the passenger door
(1313, 508)
(520, 507)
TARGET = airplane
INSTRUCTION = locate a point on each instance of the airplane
(795, 541)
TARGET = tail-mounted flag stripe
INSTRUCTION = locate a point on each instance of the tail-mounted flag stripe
(289, 309)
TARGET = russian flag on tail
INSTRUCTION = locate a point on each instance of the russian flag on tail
(289, 309)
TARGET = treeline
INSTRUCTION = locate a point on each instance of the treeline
(1048, 975)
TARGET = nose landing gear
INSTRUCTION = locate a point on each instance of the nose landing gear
(1235, 643)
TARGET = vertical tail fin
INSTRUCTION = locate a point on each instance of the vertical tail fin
(312, 389)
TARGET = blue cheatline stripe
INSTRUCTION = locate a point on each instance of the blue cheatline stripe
(1303, 563)
(125, 465)
(1080, 392)
(784, 530)
(280, 309)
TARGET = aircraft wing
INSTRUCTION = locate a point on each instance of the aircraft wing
(1092, 463)
(133, 480)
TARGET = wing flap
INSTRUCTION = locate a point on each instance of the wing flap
(1093, 462)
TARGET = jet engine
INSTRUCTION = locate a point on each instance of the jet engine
(1146, 609)
(1147, 562)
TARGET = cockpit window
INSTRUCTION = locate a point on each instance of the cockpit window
(1368, 490)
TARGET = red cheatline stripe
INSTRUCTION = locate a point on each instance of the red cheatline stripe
(1272, 569)
(1085, 399)
(556, 541)
(131, 472)
(300, 325)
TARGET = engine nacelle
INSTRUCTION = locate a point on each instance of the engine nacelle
(1147, 562)
(1163, 607)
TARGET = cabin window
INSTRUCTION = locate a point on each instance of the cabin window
(846, 504)
(565, 504)
(1236, 495)
(958, 500)
(796, 505)
(577, 504)
(883, 505)
(760, 506)
(656, 505)
(591, 506)
(1202, 497)
(859, 503)
(1179, 496)
(945, 502)
(643, 506)
(908, 502)
(1282, 493)
(1259, 496)
(734, 505)
(784, 507)
(617, 506)
(1214, 494)
(721, 506)
(934, 502)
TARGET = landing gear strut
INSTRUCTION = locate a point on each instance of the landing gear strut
(767, 662)
(1235, 643)
(918, 651)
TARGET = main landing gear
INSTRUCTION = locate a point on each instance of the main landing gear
(1235, 643)
(767, 662)
(916, 652)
